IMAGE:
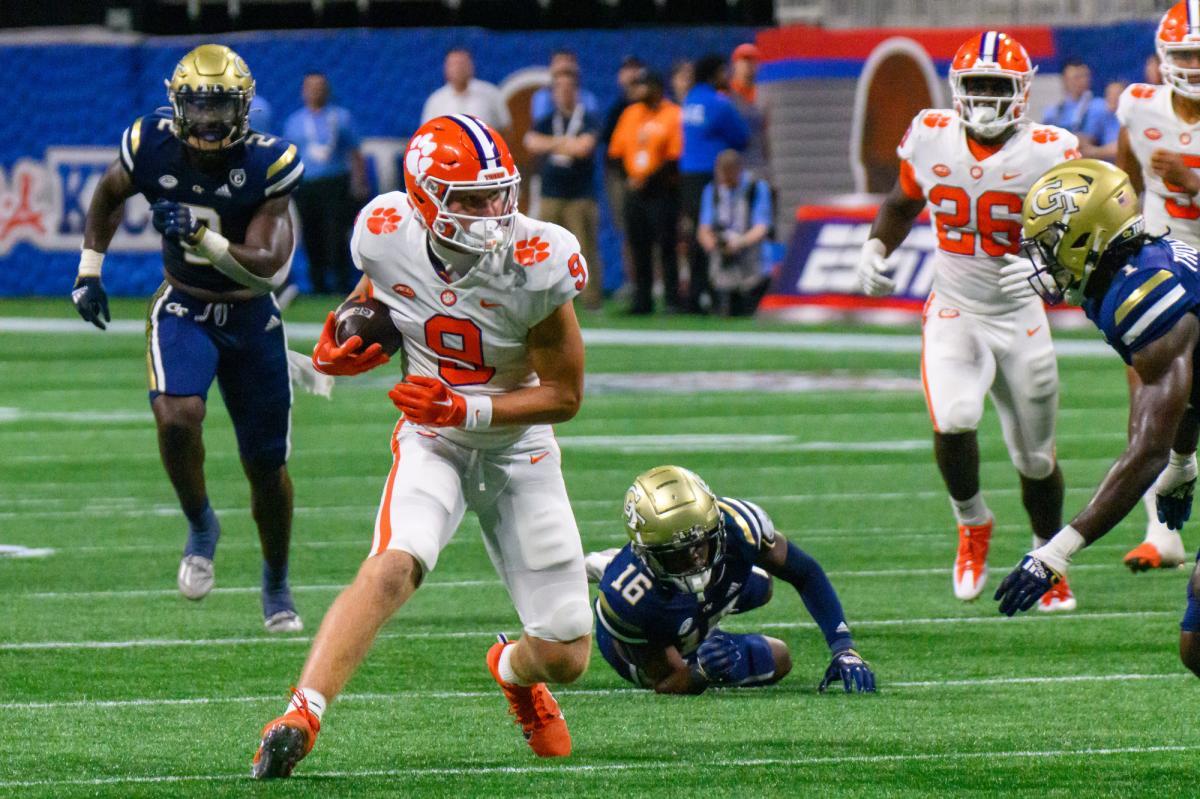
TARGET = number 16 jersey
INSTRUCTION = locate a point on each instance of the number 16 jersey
(975, 193)
(470, 333)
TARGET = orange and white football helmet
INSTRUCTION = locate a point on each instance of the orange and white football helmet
(1179, 33)
(454, 155)
(991, 54)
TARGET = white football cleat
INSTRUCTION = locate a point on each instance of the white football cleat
(285, 621)
(596, 562)
(1059, 598)
(195, 576)
(970, 564)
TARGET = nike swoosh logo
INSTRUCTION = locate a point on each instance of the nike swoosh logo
(486, 304)
(1034, 330)
(1011, 175)
(537, 457)
(324, 363)
(446, 403)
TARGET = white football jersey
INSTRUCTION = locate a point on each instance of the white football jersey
(470, 333)
(1145, 112)
(975, 205)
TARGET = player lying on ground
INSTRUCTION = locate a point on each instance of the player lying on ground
(220, 201)
(1085, 237)
(694, 558)
(493, 356)
(972, 166)
(1158, 149)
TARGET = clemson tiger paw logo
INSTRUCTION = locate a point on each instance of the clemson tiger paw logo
(383, 220)
(1044, 136)
(419, 157)
(531, 251)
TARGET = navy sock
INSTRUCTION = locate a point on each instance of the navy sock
(275, 593)
(203, 532)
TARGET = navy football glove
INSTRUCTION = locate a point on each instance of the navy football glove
(854, 672)
(91, 301)
(720, 659)
(175, 221)
(1024, 586)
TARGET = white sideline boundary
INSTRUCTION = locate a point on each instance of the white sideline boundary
(568, 693)
(658, 765)
(598, 336)
(150, 643)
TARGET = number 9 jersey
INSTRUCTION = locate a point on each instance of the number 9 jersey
(975, 193)
(1145, 112)
(469, 332)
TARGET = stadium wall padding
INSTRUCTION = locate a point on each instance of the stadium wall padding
(62, 116)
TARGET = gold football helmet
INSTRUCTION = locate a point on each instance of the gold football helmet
(1073, 215)
(210, 93)
(674, 525)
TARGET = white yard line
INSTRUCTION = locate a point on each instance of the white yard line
(673, 766)
(565, 693)
(148, 643)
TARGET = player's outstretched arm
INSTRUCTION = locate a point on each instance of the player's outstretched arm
(1156, 412)
(892, 225)
(103, 218)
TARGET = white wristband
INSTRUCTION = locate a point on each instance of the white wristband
(479, 412)
(214, 248)
(90, 263)
(1186, 463)
(1056, 553)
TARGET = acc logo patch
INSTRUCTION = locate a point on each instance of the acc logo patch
(404, 290)
(1153, 134)
(168, 181)
(686, 627)
(941, 170)
(237, 178)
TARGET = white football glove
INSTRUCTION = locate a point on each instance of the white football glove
(1014, 278)
(872, 271)
(1174, 488)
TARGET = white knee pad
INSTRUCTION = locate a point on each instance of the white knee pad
(1033, 465)
(961, 416)
(571, 619)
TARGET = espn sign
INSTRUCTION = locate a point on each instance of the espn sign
(817, 277)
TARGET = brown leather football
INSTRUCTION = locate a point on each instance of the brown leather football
(369, 319)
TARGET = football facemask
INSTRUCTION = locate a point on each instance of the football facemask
(689, 562)
(475, 217)
(210, 121)
(987, 103)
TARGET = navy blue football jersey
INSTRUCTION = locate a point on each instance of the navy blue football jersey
(638, 609)
(1148, 295)
(259, 169)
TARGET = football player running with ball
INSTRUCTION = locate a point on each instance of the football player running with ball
(219, 195)
(493, 356)
(1159, 148)
(694, 558)
(972, 167)
(1086, 239)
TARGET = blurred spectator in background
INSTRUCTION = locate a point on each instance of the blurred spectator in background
(1106, 145)
(466, 94)
(541, 104)
(1080, 111)
(1150, 71)
(614, 174)
(565, 139)
(648, 141)
(735, 221)
(710, 124)
(743, 90)
(335, 177)
(261, 117)
(683, 78)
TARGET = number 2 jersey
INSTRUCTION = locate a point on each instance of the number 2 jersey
(1155, 288)
(975, 194)
(225, 199)
(1146, 113)
(470, 333)
(638, 609)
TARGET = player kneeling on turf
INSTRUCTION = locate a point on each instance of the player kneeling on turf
(694, 558)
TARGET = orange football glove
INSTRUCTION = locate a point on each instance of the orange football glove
(330, 359)
(427, 401)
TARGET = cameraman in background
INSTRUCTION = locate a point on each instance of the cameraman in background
(736, 211)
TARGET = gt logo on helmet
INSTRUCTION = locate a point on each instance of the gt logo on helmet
(1053, 197)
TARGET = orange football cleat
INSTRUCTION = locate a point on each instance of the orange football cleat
(970, 564)
(1058, 598)
(285, 742)
(1143, 557)
(536, 710)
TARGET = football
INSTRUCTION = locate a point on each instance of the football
(369, 319)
